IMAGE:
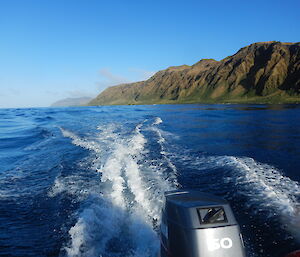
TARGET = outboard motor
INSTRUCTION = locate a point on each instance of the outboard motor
(196, 224)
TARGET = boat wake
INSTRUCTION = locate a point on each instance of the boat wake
(120, 213)
(263, 187)
(120, 207)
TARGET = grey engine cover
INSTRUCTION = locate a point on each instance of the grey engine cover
(195, 224)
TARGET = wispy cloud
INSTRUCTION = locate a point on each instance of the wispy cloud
(76, 93)
(80, 93)
(113, 78)
(142, 74)
(108, 78)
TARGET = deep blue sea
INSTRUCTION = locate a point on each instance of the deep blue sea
(89, 181)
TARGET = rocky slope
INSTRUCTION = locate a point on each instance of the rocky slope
(261, 72)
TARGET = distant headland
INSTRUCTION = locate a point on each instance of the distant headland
(264, 72)
(67, 102)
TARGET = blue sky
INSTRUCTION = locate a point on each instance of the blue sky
(53, 49)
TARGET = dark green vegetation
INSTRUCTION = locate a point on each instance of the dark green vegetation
(266, 72)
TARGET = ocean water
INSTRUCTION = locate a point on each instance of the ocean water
(89, 181)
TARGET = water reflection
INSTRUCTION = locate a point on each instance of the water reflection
(220, 107)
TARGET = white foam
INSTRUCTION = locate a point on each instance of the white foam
(145, 240)
(157, 121)
(76, 140)
(57, 188)
(266, 183)
(264, 186)
(78, 186)
(161, 140)
(146, 207)
(112, 172)
(125, 169)
(97, 224)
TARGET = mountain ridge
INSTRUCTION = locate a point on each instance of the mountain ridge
(71, 101)
(262, 72)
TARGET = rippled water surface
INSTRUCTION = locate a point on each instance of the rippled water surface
(89, 181)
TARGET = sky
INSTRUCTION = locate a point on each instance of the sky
(55, 49)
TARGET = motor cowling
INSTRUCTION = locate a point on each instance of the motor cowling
(196, 224)
(294, 254)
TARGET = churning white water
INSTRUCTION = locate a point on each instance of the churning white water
(130, 198)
